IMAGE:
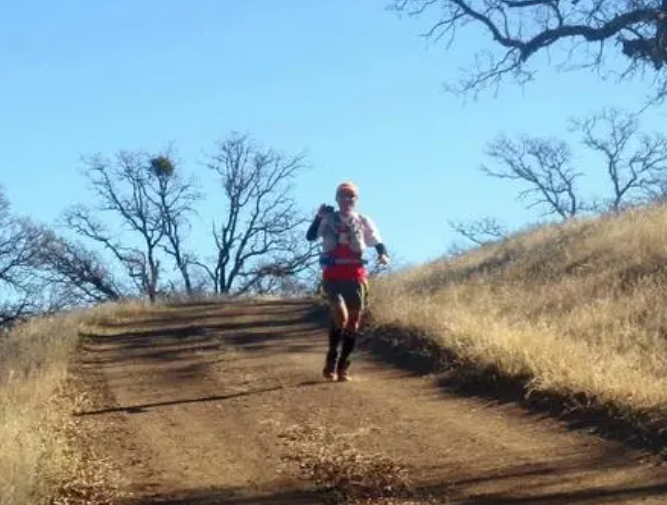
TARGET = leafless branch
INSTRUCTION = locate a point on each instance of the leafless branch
(481, 231)
(543, 165)
(126, 187)
(77, 274)
(260, 217)
(522, 28)
(636, 163)
(175, 198)
(19, 245)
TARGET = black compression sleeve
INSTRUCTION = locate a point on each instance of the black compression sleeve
(311, 234)
(381, 249)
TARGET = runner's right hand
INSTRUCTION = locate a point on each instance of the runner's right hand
(323, 210)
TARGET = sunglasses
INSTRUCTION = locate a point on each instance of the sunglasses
(349, 198)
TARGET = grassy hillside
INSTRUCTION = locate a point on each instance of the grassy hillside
(574, 310)
(39, 462)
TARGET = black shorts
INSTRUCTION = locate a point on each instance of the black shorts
(353, 293)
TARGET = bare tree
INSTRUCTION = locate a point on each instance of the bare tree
(19, 239)
(175, 200)
(481, 231)
(41, 273)
(74, 274)
(521, 29)
(256, 241)
(636, 163)
(126, 188)
(543, 165)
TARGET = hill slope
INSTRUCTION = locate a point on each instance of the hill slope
(573, 311)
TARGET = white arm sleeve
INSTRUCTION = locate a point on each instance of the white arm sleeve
(371, 233)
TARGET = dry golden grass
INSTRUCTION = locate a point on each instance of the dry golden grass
(573, 308)
(39, 461)
(33, 368)
(115, 312)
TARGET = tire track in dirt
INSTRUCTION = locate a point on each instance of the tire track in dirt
(201, 399)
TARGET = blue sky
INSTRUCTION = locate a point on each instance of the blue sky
(349, 82)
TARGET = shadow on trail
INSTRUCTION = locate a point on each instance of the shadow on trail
(409, 352)
(198, 327)
(585, 496)
(420, 355)
(559, 470)
(418, 494)
(184, 336)
(212, 313)
(568, 480)
(141, 408)
(168, 348)
(217, 496)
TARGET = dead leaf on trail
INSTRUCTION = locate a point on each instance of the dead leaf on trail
(344, 474)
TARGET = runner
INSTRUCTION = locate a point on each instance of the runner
(345, 234)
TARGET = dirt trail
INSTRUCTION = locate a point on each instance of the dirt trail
(197, 404)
